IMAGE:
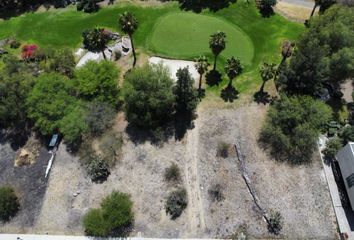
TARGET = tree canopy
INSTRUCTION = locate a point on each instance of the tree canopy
(148, 96)
(292, 127)
(324, 57)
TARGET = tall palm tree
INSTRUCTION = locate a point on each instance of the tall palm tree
(95, 40)
(201, 66)
(286, 50)
(267, 71)
(233, 68)
(317, 3)
(217, 44)
(129, 24)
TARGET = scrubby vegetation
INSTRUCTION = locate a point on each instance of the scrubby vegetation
(172, 173)
(9, 203)
(114, 218)
(176, 203)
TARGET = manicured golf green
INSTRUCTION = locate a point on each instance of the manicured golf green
(185, 35)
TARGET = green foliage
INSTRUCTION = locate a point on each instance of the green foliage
(112, 219)
(148, 96)
(176, 203)
(99, 117)
(185, 93)
(324, 55)
(87, 6)
(97, 168)
(128, 23)
(333, 145)
(98, 81)
(95, 40)
(49, 101)
(233, 68)
(292, 127)
(172, 173)
(63, 61)
(73, 124)
(9, 204)
(14, 90)
(347, 134)
(217, 44)
(275, 222)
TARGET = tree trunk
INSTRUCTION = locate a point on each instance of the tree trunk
(230, 83)
(262, 87)
(133, 49)
(215, 58)
(313, 10)
(200, 83)
(104, 55)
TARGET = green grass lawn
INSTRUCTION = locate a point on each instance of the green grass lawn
(167, 31)
(185, 35)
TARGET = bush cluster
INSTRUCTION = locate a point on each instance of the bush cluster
(114, 218)
(176, 203)
(9, 203)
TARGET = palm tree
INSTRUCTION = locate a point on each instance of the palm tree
(267, 72)
(95, 40)
(233, 68)
(317, 3)
(286, 51)
(129, 24)
(201, 66)
(217, 44)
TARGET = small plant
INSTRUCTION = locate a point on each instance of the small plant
(113, 218)
(117, 55)
(14, 43)
(216, 193)
(176, 203)
(275, 222)
(223, 149)
(9, 204)
(332, 147)
(172, 173)
(98, 168)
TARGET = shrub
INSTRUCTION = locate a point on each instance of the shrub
(292, 127)
(176, 203)
(216, 193)
(148, 96)
(347, 134)
(100, 117)
(9, 204)
(98, 168)
(112, 219)
(223, 149)
(172, 173)
(63, 61)
(275, 222)
(14, 43)
(332, 147)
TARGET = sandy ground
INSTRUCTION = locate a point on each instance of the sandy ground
(174, 65)
(300, 193)
(347, 90)
(295, 10)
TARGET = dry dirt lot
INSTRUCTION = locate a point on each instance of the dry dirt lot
(300, 193)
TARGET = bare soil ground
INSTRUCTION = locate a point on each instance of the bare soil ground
(300, 193)
(293, 11)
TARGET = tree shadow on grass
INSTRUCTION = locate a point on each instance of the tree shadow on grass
(229, 94)
(213, 78)
(200, 5)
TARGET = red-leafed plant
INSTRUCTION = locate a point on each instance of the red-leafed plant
(29, 51)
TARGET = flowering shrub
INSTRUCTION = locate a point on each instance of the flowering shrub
(28, 51)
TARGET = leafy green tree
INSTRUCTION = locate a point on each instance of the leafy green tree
(268, 72)
(14, 90)
(9, 203)
(129, 24)
(99, 117)
(63, 62)
(233, 68)
(324, 55)
(201, 66)
(185, 93)
(347, 134)
(292, 127)
(323, 4)
(333, 145)
(95, 40)
(48, 101)
(217, 44)
(148, 96)
(98, 81)
(73, 124)
(266, 7)
(88, 6)
(112, 219)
